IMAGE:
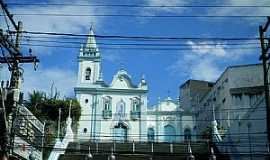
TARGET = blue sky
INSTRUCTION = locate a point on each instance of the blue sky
(165, 70)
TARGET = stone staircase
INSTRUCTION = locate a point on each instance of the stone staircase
(136, 151)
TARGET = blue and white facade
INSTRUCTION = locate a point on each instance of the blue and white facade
(109, 111)
(168, 122)
(118, 111)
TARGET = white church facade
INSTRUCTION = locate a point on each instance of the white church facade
(168, 122)
(119, 110)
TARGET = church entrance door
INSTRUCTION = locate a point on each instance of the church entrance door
(169, 133)
(120, 132)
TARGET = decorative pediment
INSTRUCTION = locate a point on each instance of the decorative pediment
(168, 105)
(122, 81)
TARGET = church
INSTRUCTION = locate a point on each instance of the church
(119, 111)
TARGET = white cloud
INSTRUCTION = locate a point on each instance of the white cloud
(203, 62)
(42, 79)
(63, 79)
(64, 24)
(58, 24)
(203, 48)
(153, 11)
(232, 11)
(206, 70)
(113, 57)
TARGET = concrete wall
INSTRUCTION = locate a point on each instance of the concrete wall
(246, 138)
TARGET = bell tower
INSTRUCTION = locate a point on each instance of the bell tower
(88, 76)
(89, 61)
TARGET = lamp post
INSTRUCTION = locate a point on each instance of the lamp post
(190, 155)
(249, 141)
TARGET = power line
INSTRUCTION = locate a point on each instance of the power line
(146, 120)
(110, 134)
(137, 48)
(144, 44)
(34, 37)
(138, 6)
(139, 16)
(141, 37)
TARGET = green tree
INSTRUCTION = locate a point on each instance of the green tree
(46, 109)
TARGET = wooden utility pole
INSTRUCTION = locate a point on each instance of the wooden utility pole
(13, 60)
(265, 60)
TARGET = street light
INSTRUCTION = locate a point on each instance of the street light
(89, 156)
(190, 155)
(212, 154)
(112, 156)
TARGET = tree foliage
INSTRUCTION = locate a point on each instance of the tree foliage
(47, 108)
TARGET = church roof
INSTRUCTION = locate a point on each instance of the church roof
(91, 40)
(90, 49)
(122, 79)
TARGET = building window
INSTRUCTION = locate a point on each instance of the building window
(135, 112)
(107, 104)
(107, 109)
(86, 100)
(84, 130)
(136, 105)
(151, 135)
(87, 74)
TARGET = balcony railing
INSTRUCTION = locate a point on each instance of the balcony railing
(107, 114)
(135, 115)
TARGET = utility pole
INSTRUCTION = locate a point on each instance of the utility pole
(13, 60)
(265, 60)
(59, 123)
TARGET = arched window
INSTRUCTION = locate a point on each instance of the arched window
(151, 135)
(169, 133)
(107, 109)
(136, 105)
(87, 73)
(107, 102)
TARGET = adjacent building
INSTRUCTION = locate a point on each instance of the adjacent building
(168, 122)
(236, 104)
(233, 94)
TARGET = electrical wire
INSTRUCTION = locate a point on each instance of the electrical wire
(5, 17)
(145, 44)
(137, 6)
(141, 48)
(139, 16)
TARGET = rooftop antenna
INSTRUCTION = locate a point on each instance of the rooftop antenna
(91, 26)
(168, 92)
